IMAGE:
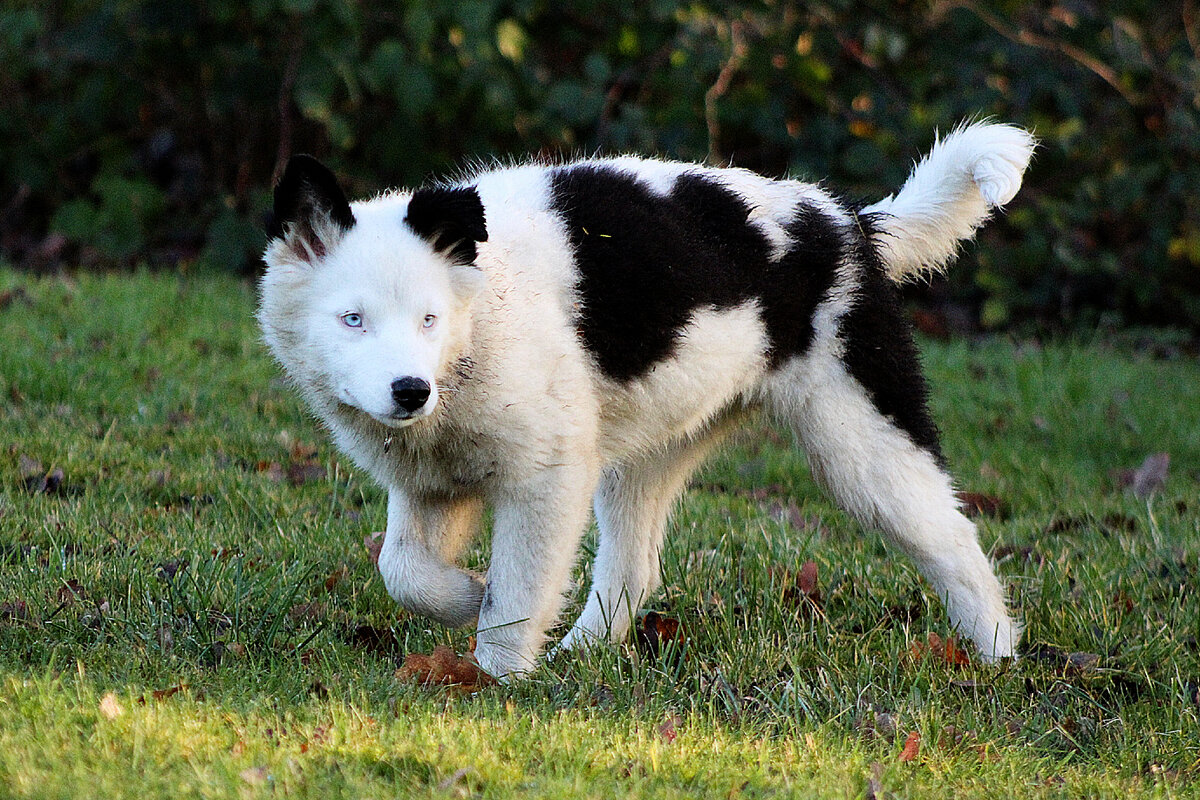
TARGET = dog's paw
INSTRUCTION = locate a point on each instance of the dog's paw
(504, 662)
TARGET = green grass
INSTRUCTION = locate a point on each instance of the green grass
(173, 554)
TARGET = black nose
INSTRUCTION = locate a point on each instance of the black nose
(410, 393)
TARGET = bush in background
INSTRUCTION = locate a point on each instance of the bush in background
(144, 131)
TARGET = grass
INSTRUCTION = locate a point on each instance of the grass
(189, 611)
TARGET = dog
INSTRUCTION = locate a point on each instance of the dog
(546, 339)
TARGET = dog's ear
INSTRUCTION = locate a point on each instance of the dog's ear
(450, 219)
(311, 211)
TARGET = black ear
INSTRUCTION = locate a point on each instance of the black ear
(452, 220)
(311, 207)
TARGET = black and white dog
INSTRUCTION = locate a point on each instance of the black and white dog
(549, 339)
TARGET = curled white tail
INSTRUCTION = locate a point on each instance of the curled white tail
(950, 193)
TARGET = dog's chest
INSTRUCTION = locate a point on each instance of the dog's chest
(463, 462)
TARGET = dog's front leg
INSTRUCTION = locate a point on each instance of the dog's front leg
(536, 532)
(413, 560)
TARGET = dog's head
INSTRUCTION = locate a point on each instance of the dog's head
(369, 305)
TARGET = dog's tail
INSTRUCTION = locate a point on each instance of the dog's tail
(950, 193)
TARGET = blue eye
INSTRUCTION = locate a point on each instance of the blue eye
(352, 320)
(429, 321)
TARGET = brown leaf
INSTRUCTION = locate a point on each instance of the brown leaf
(273, 470)
(167, 570)
(978, 504)
(1082, 662)
(300, 473)
(668, 729)
(443, 668)
(655, 632)
(912, 747)
(374, 544)
(946, 650)
(37, 480)
(71, 591)
(336, 577)
(376, 640)
(14, 611)
(803, 589)
(163, 694)
(302, 451)
(312, 610)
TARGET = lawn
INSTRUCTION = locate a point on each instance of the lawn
(188, 607)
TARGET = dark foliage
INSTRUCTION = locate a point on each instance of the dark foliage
(150, 132)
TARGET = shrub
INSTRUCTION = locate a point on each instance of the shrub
(143, 131)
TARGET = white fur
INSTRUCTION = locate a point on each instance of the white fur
(530, 426)
(950, 193)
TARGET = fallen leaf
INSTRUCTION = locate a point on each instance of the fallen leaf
(978, 504)
(300, 473)
(912, 747)
(443, 668)
(668, 729)
(167, 570)
(376, 640)
(37, 480)
(336, 577)
(946, 650)
(70, 591)
(312, 610)
(302, 451)
(655, 631)
(374, 544)
(1082, 662)
(14, 611)
(109, 707)
(803, 589)
(163, 694)
(273, 470)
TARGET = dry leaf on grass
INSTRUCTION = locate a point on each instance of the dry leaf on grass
(374, 544)
(802, 590)
(668, 729)
(654, 633)
(443, 668)
(978, 504)
(946, 650)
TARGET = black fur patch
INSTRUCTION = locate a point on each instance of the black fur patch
(793, 288)
(647, 261)
(306, 189)
(451, 219)
(880, 352)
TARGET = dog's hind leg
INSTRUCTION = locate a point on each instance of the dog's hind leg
(633, 503)
(876, 471)
(416, 560)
